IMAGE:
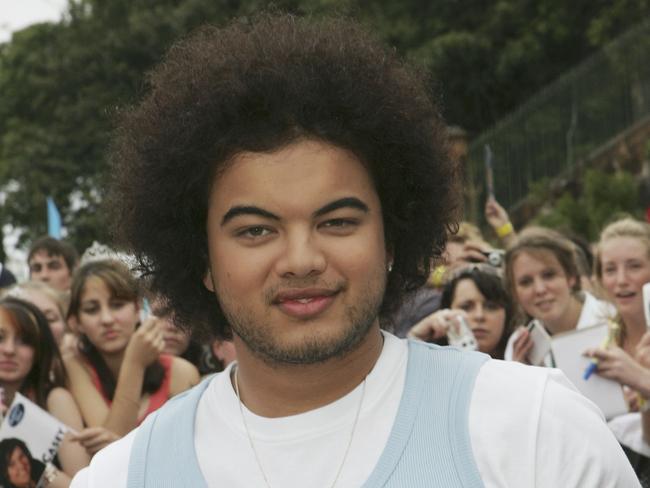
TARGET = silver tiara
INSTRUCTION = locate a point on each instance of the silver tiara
(102, 252)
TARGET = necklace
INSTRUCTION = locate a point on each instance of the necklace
(252, 444)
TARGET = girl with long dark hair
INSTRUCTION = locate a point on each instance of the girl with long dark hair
(477, 294)
(30, 363)
(118, 375)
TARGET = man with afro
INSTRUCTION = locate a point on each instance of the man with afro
(284, 183)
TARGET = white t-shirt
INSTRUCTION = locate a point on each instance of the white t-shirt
(628, 429)
(528, 427)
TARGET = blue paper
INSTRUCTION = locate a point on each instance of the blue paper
(53, 219)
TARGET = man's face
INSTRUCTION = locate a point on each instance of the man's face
(297, 254)
(50, 269)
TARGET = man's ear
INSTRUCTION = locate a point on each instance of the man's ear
(389, 260)
(207, 281)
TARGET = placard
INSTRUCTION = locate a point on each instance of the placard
(29, 439)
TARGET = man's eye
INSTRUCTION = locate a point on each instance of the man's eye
(339, 223)
(254, 232)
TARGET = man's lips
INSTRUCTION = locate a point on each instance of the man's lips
(304, 303)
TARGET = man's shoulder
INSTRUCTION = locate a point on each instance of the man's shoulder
(109, 467)
(114, 458)
(523, 389)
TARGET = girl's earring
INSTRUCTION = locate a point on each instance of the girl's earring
(390, 266)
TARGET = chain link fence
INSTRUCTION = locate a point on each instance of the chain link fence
(553, 134)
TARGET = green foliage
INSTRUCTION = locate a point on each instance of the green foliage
(62, 83)
(603, 197)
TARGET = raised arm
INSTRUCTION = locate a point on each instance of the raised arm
(499, 220)
(121, 416)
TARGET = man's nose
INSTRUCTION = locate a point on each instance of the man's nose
(302, 256)
(42, 275)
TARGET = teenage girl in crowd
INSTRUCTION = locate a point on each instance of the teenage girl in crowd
(53, 305)
(622, 268)
(118, 375)
(476, 293)
(544, 281)
(30, 363)
(178, 342)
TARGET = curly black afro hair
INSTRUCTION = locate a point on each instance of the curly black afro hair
(258, 85)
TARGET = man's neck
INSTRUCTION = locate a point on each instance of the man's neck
(284, 390)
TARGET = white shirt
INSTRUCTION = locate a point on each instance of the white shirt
(628, 429)
(528, 427)
(593, 312)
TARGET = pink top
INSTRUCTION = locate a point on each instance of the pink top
(156, 399)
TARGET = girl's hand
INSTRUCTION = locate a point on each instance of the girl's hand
(615, 364)
(642, 353)
(435, 326)
(631, 398)
(94, 438)
(522, 346)
(495, 214)
(146, 343)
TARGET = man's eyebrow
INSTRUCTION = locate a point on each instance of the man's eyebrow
(238, 210)
(347, 202)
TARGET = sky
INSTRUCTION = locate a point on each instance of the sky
(17, 14)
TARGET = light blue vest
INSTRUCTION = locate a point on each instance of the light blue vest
(429, 445)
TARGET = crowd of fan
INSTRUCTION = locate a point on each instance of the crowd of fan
(78, 340)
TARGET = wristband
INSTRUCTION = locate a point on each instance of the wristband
(505, 230)
(644, 404)
(437, 277)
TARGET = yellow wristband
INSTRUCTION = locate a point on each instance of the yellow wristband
(505, 230)
(437, 277)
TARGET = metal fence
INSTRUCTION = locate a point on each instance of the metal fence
(554, 133)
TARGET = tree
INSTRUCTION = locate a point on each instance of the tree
(62, 84)
(604, 197)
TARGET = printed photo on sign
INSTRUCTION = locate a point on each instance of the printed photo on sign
(17, 466)
(29, 439)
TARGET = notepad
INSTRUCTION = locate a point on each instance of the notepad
(568, 349)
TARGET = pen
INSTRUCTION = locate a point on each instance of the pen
(593, 366)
